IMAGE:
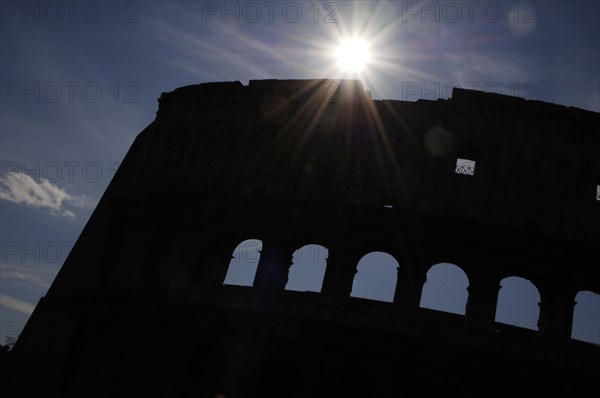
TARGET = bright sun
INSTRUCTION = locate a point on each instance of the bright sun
(353, 54)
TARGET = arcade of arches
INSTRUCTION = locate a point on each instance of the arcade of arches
(444, 287)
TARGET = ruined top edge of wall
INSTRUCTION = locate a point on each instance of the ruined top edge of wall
(269, 90)
(345, 91)
(463, 96)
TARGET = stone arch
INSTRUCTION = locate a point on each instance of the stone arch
(445, 289)
(518, 303)
(243, 264)
(376, 277)
(586, 317)
(308, 268)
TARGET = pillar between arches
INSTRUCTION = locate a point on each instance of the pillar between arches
(409, 287)
(274, 264)
(480, 313)
(555, 322)
(339, 275)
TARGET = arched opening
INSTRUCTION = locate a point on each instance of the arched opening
(242, 267)
(376, 277)
(445, 289)
(308, 269)
(518, 303)
(586, 317)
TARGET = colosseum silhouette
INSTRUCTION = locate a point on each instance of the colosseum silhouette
(497, 185)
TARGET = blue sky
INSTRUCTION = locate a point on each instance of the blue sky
(79, 82)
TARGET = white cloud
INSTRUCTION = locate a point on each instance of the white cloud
(34, 277)
(22, 189)
(27, 281)
(16, 304)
